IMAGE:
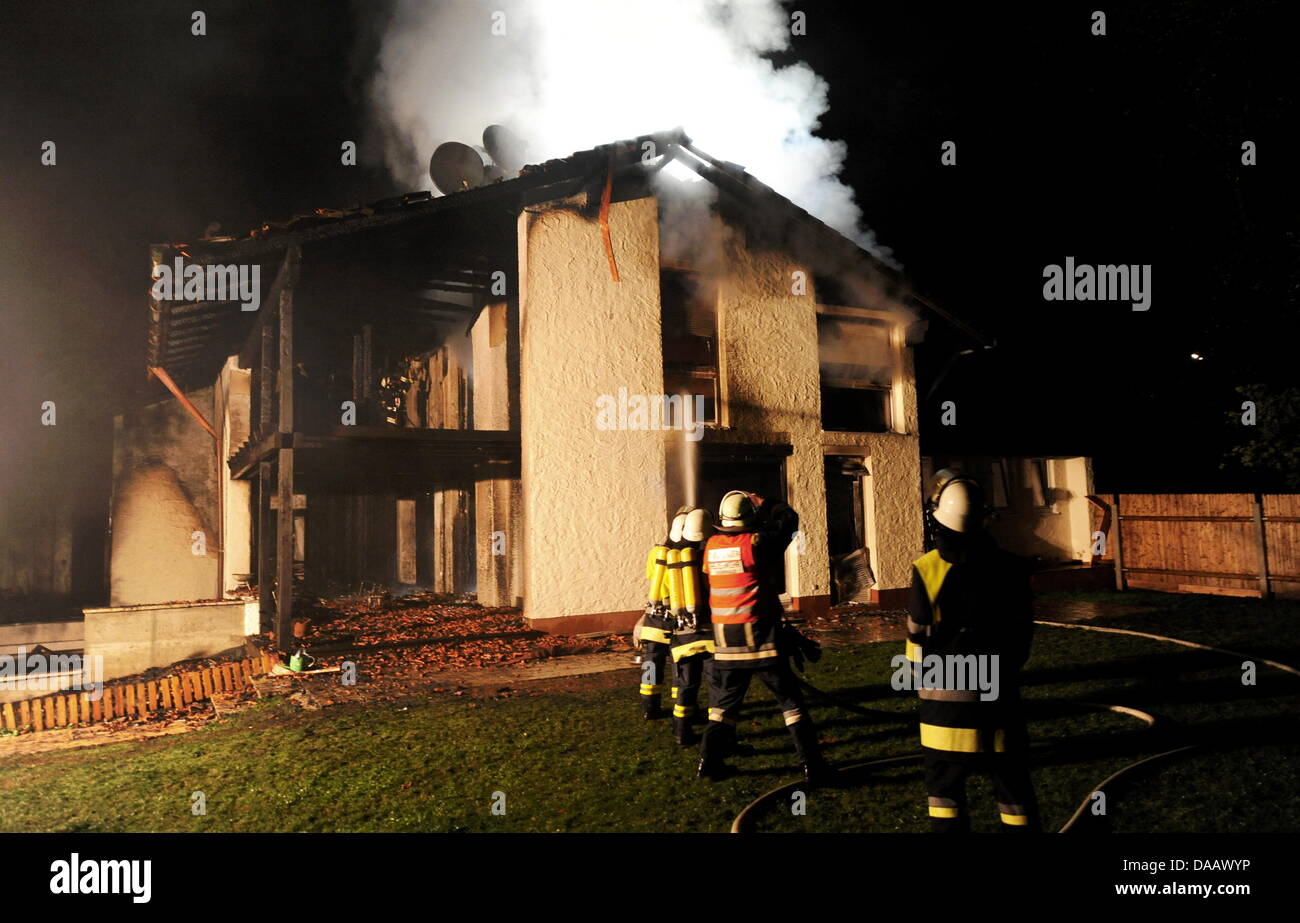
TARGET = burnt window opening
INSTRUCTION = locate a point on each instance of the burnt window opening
(689, 314)
(858, 363)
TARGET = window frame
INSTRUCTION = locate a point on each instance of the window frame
(714, 372)
(895, 419)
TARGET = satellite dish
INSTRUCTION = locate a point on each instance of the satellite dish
(456, 167)
(506, 149)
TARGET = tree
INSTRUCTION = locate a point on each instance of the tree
(1270, 446)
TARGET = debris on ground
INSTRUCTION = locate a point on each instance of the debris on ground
(430, 631)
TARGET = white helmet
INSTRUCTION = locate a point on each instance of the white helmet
(956, 501)
(679, 522)
(698, 525)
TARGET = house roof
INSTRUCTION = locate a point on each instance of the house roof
(192, 340)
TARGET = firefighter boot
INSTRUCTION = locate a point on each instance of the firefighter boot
(651, 708)
(718, 737)
(683, 731)
(815, 769)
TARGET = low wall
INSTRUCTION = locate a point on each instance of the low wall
(21, 640)
(132, 639)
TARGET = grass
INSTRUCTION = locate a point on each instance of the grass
(573, 755)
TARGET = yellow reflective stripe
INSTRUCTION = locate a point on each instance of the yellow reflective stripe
(793, 716)
(683, 711)
(937, 811)
(717, 714)
(690, 650)
(913, 650)
(956, 740)
(733, 610)
(1015, 820)
(674, 692)
(767, 650)
(647, 689)
(657, 635)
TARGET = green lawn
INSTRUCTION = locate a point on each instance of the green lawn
(575, 756)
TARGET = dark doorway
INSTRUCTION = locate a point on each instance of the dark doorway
(846, 532)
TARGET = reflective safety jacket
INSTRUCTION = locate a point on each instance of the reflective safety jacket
(969, 602)
(744, 605)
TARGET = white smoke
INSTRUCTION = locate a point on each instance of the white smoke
(568, 75)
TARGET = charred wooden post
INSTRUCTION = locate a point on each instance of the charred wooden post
(265, 603)
(284, 467)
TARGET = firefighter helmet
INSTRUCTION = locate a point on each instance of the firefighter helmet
(679, 521)
(736, 510)
(699, 523)
(956, 501)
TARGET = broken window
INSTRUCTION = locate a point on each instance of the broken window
(858, 363)
(689, 305)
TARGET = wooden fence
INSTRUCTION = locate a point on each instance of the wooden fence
(127, 699)
(1226, 544)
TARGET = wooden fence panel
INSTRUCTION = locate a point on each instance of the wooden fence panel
(1226, 544)
(133, 699)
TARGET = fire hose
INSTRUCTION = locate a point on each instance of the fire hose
(744, 820)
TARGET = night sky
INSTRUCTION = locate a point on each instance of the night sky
(1124, 148)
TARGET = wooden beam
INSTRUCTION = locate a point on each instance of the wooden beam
(284, 468)
(266, 382)
(177, 393)
(1117, 545)
(264, 600)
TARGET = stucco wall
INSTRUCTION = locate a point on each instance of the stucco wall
(164, 489)
(600, 496)
(769, 343)
(594, 499)
(768, 338)
(236, 496)
(1057, 533)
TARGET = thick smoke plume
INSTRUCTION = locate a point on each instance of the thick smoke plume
(568, 75)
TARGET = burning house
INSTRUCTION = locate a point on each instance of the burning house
(466, 392)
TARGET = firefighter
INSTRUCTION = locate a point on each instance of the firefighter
(969, 597)
(654, 634)
(744, 562)
(692, 641)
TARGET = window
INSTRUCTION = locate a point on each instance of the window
(858, 363)
(689, 311)
(1036, 479)
(997, 493)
